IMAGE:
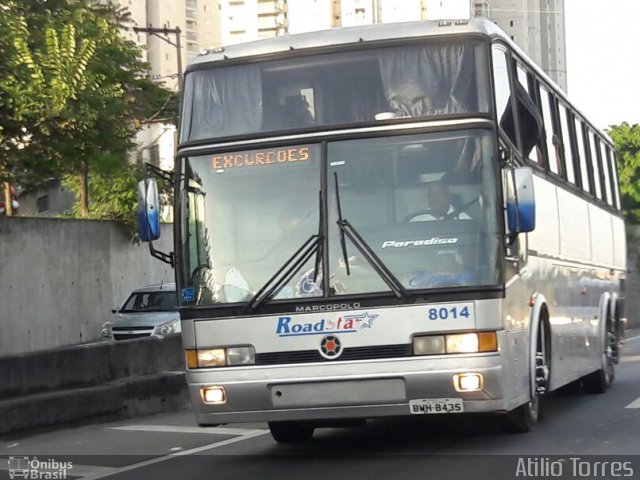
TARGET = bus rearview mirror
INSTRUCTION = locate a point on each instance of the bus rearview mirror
(148, 210)
(521, 205)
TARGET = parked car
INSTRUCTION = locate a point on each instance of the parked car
(151, 310)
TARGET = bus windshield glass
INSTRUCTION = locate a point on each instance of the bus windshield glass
(343, 88)
(424, 205)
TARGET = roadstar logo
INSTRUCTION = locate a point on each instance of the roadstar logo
(289, 327)
(419, 243)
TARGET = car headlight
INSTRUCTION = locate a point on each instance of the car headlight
(168, 328)
(220, 357)
(105, 330)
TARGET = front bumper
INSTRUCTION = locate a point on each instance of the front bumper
(344, 390)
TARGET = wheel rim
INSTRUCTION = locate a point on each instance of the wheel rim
(541, 371)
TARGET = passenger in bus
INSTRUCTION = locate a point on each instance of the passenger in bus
(440, 205)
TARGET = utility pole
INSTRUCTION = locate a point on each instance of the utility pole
(8, 200)
(166, 31)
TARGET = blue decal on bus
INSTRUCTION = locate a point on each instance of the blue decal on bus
(188, 294)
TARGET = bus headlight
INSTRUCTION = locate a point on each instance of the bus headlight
(472, 342)
(455, 343)
(462, 343)
(211, 358)
(241, 356)
(220, 357)
(428, 345)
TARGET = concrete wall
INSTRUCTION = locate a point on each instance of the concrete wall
(60, 278)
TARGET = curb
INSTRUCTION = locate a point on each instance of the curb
(122, 398)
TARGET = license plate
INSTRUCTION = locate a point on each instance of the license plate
(426, 406)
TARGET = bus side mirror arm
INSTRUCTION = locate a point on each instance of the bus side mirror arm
(169, 258)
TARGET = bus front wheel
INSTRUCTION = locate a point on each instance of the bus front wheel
(525, 417)
(291, 432)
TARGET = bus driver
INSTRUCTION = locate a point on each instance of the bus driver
(440, 207)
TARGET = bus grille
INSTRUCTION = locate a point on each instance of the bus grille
(356, 353)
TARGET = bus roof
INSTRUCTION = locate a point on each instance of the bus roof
(346, 36)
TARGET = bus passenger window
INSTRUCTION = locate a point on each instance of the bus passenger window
(597, 182)
(552, 153)
(614, 175)
(604, 165)
(523, 80)
(566, 144)
(584, 167)
(502, 92)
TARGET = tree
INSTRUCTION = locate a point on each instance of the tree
(81, 112)
(627, 142)
(101, 121)
(41, 69)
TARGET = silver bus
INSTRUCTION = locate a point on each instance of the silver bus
(401, 219)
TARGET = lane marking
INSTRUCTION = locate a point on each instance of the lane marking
(634, 404)
(630, 358)
(211, 446)
(179, 429)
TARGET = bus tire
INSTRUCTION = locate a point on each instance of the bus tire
(291, 432)
(600, 380)
(525, 417)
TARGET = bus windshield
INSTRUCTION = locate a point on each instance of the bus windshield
(353, 87)
(424, 204)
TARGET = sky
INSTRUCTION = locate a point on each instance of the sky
(603, 59)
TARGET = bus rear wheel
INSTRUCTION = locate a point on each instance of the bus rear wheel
(600, 380)
(291, 432)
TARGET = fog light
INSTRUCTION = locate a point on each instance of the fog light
(468, 382)
(213, 395)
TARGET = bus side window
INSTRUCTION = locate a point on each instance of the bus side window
(614, 176)
(553, 162)
(525, 80)
(582, 155)
(595, 167)
(566, 144)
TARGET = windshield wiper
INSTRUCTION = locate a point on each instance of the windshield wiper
(363, 247)
(313, 245)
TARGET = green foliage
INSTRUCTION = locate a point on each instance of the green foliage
(113, 194)
(627, 142)
(73, 93)
(40, 71)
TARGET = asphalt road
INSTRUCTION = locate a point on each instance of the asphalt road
(580, 436)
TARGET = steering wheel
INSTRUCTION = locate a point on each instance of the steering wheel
(413, 215)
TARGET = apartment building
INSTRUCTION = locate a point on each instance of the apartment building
(198, 21)
(538, 27)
